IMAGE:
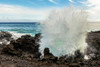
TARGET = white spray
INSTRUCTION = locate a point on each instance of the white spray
(65, 31)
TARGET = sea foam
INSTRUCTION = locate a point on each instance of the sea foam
(64, 31)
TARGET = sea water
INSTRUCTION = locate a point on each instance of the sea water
(21, 28)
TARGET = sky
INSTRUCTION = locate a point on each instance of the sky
(37, 10)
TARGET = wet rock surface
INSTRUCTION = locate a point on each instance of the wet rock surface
(5, 37)
(93, 41)
(49, 57)
(26, 46)
(24, 52)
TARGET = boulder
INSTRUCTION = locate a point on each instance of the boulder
(47, 52)
(49, 57)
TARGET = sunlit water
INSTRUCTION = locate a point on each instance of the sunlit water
(21, 28)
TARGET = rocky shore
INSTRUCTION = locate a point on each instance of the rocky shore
(24, 52)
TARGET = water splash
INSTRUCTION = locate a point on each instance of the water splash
(65, 31)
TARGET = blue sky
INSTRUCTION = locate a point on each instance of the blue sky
(41, 3)
(36, 10)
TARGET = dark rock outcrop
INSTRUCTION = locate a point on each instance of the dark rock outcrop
(78, 56)
(5, 37)
(26, 46)
(49, 57)
(93, 40)
(47, 52)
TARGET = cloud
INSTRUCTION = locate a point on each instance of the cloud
(94, 10)
(15, 12)
(71, 1)
(52, 1)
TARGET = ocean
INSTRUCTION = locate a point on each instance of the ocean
(31, 28)
(21, 28)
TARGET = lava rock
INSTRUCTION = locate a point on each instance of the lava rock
(74, 65)
(49, 56)
(26, 44)
(5, 37)
(47, 52)
(78, 56)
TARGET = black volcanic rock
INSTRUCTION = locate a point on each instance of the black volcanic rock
(26, 45)
(47, 52)
(5, 35)
(78, 56)
(26, 50)
(49, 57)
(96, 43)
(93, 40)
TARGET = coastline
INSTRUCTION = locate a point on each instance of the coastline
(16, 53)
